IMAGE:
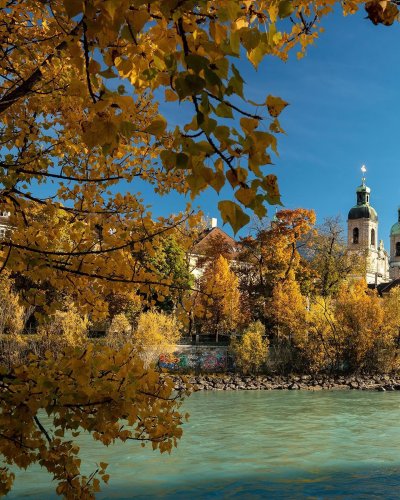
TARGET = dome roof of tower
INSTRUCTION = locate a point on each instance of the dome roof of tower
(363, 188)
(395, 230)
(363, 212)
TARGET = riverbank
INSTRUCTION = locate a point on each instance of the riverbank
(234, 382)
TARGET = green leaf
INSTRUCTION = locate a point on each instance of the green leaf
(212, 78)
(222, 134)
(182, 160)
(218, 181)
(127, 129)
(270, 185)
(196, 62)
(149, 73)
(236, 82)
(189, 85)
(209, 125)
(157, 126)
(197, 183)
(224, 111)
(168, 159)
(285, 8)
(250, 38)
(233, 214)
(257, 205)
(235, 42)
(230, 12)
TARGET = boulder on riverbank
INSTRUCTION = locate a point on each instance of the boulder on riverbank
(234, 382)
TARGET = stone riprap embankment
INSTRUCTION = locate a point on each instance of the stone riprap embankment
(301, 382)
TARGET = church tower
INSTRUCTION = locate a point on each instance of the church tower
(395, 249)
(362, 235)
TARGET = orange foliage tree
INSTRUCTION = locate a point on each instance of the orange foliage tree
(272, 257)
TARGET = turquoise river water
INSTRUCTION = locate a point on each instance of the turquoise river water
(258, 444)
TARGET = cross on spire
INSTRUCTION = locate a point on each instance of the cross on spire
(363, 170)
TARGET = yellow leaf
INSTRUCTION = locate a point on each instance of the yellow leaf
(232, 213)
(248, 124)
(170, 95)
(73, 7)
(275, 105)
(110, 6)
(245, 195)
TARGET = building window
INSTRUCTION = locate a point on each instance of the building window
(398, 249)
(373, 237)
(355, 235)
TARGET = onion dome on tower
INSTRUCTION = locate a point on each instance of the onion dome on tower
(362, 221)
(395, 249)
(363, 209)
(395, 230)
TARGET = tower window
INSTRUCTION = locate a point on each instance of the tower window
(373, 237)
(355, 235)
(398, 249)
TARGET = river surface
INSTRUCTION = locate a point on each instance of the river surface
(258, 444)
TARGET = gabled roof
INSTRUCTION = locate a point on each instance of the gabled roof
(207, 237)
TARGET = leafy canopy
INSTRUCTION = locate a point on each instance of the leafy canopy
(78, 118)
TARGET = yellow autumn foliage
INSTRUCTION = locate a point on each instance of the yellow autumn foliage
(367, 327)
(67, 127)
(219, 303)
(11, 311)
(354, 331)
(92, 391)
(13, 316)
(120, 330)
(64, 328)
(251, 351)
(156, 334)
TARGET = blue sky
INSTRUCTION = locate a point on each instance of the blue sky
(343, 112)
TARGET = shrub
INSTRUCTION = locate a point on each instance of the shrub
(251, 350)
(64, 328)
(156, 334)
(119, 331)
(11, 312)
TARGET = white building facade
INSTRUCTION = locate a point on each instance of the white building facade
(4, 224)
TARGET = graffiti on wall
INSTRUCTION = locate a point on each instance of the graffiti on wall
(196, 359)
(213, 361)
